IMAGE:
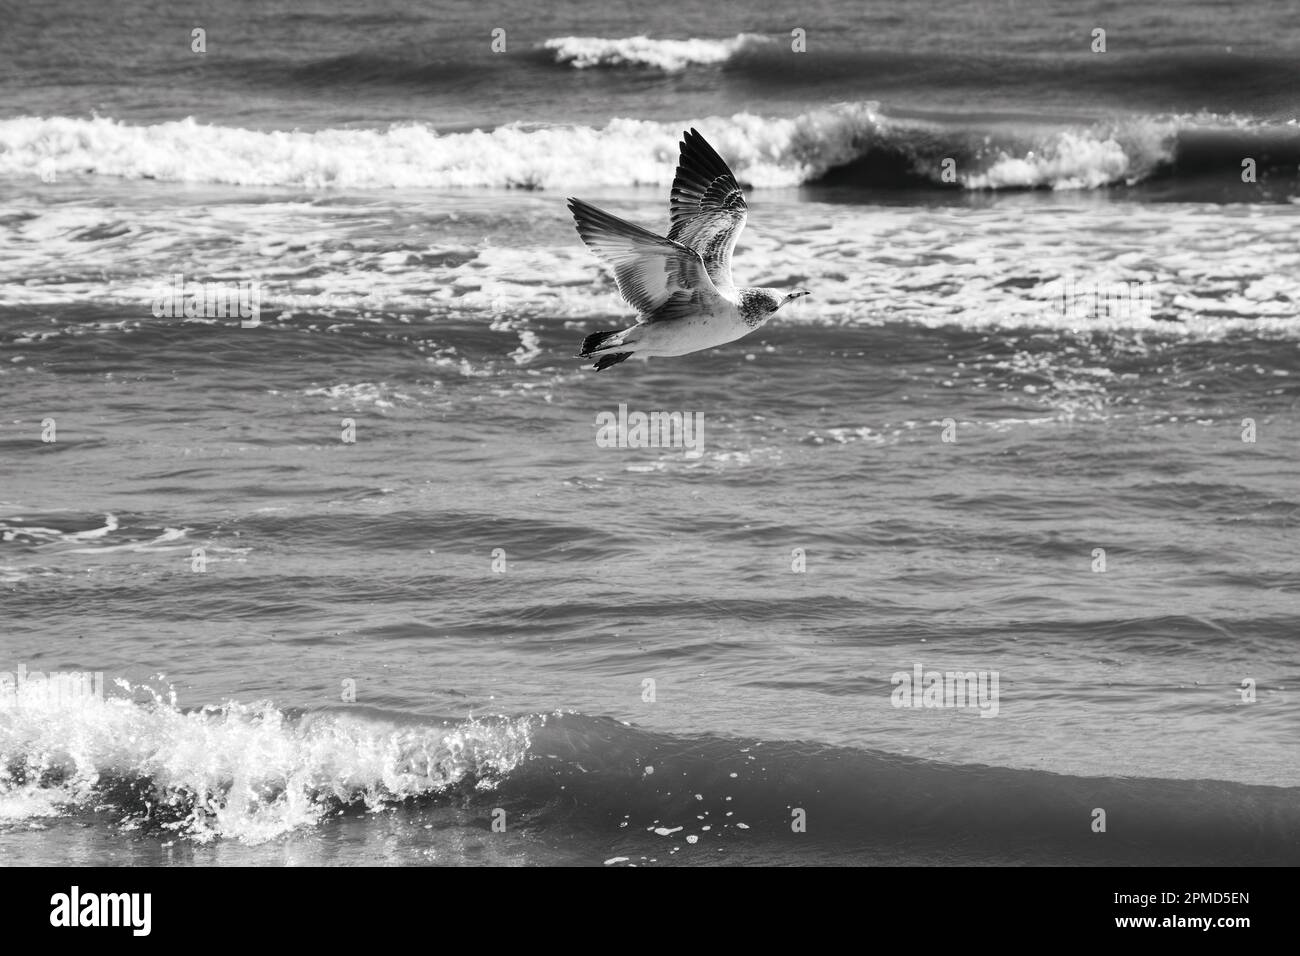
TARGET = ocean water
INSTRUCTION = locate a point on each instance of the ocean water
(365, 586)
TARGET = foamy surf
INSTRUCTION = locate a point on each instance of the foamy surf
(252, 773)
(625, 152)
(244, 771)
(854, 144)
(671, 56)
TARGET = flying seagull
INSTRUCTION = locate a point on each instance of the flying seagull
(681, 285)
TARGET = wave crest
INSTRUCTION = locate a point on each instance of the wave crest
(853, 144)
(246, 771)
(671, 56)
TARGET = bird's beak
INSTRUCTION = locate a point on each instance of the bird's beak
(797, 294)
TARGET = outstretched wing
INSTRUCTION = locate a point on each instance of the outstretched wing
(707, 207)
(660, 278)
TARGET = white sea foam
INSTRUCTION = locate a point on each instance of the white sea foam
(763, 151)
(671, 56)
(1203, 270)
(1070, 161)
(244, 771)
(624, 152)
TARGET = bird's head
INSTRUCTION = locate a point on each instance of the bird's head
(767, 301)
(759, 305)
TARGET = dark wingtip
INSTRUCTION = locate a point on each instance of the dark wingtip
(699, 151)
(605, 361)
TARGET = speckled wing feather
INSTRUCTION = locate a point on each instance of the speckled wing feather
(707, 208)
(660, 278)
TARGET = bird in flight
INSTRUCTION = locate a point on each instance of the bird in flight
(681, 285)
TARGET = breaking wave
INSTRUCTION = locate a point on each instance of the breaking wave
(671, 56)
(852, 144)
(254, 772)
(246, 771)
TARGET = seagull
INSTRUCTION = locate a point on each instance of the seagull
(680, 285)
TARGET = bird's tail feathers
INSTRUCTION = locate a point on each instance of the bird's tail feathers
(607, 348)
(605, 361)
(596, 341)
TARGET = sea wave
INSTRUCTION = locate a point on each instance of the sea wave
(254, 772)
(847, 144)
(671, 56)
(248, 771)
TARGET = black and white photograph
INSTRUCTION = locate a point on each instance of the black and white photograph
(618, 435)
